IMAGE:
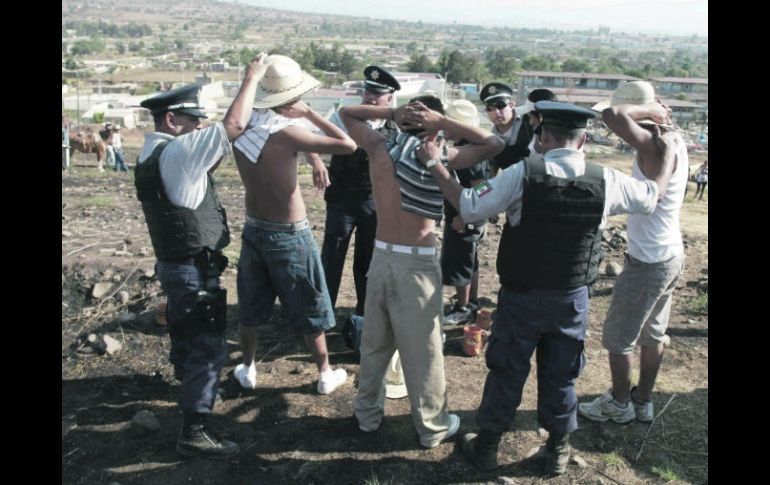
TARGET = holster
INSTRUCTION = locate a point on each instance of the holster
(208, 315)
(212, 262)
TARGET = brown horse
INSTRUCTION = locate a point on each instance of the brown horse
(88, 142)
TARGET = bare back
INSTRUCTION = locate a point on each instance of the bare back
(395, 225)
(272, 188)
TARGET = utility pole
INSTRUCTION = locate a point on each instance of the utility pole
(77, 94)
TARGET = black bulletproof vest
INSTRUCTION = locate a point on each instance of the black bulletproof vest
(177, 231)
(558, 242)
(349, 174)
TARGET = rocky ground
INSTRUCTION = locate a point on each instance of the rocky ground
(119, 420)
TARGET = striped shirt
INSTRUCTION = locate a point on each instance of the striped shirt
(420, 193)
(261, 125)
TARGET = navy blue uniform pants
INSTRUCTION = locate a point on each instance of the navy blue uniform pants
(197, 359)
(551, 323)
(341, 219)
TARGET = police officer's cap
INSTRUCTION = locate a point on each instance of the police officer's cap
(495, 91)
(182, 100)
(564, 115)
(379, 80)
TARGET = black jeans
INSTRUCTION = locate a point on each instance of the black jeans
(341, 219)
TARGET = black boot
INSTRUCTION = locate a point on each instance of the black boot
(481, 449)
(557, 453)
(196, 440)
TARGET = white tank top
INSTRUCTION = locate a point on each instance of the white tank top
(656, 237)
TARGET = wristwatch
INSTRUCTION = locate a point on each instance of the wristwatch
(431, 163)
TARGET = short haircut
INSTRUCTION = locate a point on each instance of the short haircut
(563, 134)
(541, 94)
(158, 117)
(430, 101)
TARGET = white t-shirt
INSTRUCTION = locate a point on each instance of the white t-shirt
(622, 194)
(186, 160)
(657, 237)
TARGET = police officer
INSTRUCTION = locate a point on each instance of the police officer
(549, 254)
(188, 229)
(349, 202)
(510, 123)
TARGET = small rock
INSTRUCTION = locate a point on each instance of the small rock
(128, 241)
(606, 236)
(623, 235)
(122, 253)
(105, 251)
(690, 321)
(126, 317)
(107, 273)
(92, 339)
(66, 234)
(542, 432)
(148, 271)
(535, 452)
(117, 278)
(506, 481)
(613, 269)
(109, 345)
(101, 289)
(704, 271)
(579, 461)
(160, 314)
(703, 285)
(145, 419)
(144, 251)
(666, 341)
(123, 296)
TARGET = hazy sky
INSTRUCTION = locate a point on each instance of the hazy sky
(649, 16)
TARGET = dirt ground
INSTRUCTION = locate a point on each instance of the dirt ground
(286, 431)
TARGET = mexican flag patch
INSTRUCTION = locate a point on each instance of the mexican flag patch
(482, 189)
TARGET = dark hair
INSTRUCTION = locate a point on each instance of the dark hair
(541, 94)
(158, 117)
(430, 101)
(563, 134)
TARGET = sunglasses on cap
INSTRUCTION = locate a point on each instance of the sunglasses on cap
(499, 105)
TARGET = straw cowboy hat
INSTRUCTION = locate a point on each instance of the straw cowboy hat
(635, 92)
(463, 111)
(284, 81)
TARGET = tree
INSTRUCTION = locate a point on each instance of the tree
(120, 47)
(537, 63)
(458, 67)
(575, 65)
(70, 64)
(501, 64)
(420, 63)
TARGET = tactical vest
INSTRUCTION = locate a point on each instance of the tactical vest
(349, 174)
(557, 245)
(175, 231)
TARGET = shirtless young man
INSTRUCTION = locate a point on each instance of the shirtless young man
(403, 293)
(279, 256)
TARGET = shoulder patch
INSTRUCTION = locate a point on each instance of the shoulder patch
(482, 189)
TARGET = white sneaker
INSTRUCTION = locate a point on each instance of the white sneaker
(247, 376)
(605, 408)
(644, 410)
(331, 380)
(454, 426)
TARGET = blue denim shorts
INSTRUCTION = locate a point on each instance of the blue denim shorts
(285, 264)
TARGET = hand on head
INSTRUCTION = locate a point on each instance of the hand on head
(293, 109)
(417, 115)
(431, 148)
